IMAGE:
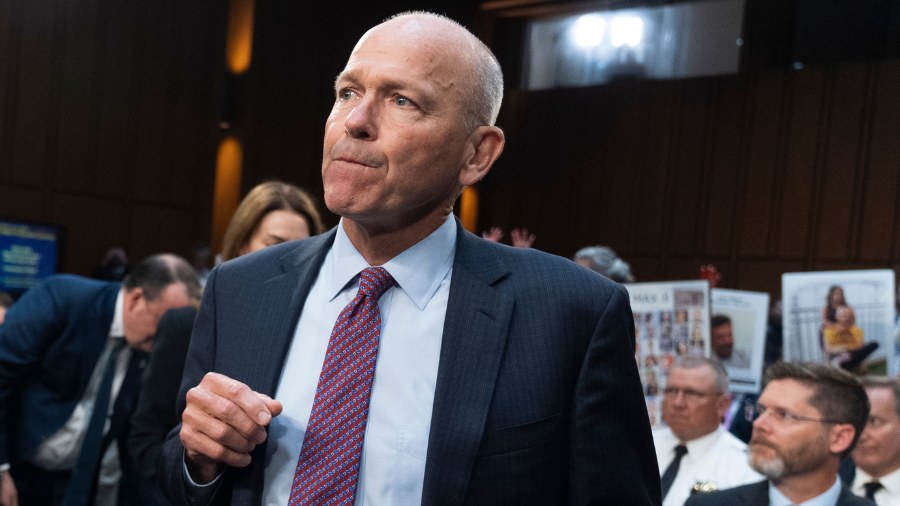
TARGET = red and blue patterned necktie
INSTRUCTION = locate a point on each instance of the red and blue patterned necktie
(328, 466)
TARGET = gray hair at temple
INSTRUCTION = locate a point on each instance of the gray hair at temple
(604, 261)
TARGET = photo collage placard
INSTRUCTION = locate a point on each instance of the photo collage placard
(671, 319)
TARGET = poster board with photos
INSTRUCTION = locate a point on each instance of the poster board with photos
(748, 312)
(870, 295)
(671, 319)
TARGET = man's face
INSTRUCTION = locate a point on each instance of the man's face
(395, 141)
(781, 448)
(141, 316)
(723, 341)
(878, 450)
(692, 404)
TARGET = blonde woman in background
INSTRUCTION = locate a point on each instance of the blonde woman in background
(272, 213)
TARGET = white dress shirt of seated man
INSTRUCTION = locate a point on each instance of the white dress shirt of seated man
(695, 401)
(877, 454)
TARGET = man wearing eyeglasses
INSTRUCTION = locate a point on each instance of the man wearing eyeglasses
(694, 450)
(808, 418)
(877, 456)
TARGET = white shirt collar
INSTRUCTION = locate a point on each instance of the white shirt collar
(117, 329)
(890, 481)
(418, 271)
(699, 446)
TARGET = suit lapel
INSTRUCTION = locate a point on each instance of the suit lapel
(282, 294)
(475, 330)
(286, 294)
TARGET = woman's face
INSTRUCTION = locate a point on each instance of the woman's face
(277, 227)
(837, 296)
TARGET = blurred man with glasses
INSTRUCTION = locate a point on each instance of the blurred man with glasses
(694, 451)
(808, 418)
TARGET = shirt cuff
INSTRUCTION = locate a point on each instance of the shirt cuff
(199, 494)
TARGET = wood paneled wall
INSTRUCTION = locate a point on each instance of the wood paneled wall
(759, 174)
(108, 113)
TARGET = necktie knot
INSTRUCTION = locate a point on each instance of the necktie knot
(872, 487)
(374, 281)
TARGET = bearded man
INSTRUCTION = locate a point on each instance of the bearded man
(809, 417)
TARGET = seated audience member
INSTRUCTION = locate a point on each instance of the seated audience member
(808, 418)
(6, 301)
(71, 354)
(604, 261)
(723, 344)
(877, 456)
(694, 449)
(273, 212)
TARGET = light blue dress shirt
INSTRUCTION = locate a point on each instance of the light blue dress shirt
(829, 498)
(412, 315)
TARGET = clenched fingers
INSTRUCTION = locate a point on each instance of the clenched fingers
(224, 420)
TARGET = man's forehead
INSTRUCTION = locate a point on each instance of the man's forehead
(881, 395)
(695, 375)
(787, 391)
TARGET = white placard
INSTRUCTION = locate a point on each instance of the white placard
(870, 294)
(748, 312)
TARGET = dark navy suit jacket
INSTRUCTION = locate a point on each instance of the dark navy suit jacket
(757, 494)
(49, 345)
(537, 401)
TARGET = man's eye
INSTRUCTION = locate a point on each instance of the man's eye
(402, 101)
(346, 94)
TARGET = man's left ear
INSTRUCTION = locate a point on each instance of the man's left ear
(133, 298)
(484, 147)
(841, 437)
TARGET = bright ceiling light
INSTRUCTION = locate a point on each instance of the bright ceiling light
(588, 30)
(626, 31)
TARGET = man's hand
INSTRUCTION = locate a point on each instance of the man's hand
(521, 238)
(222, 423)
(8, 494)
(494, 234)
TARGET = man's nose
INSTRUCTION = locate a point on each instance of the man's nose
(362, 119)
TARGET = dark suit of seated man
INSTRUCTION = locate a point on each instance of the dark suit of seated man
(503, 375)
(58, 344)
(809, 417)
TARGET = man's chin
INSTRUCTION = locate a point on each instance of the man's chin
(770, 467)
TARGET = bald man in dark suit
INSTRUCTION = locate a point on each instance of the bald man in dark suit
(503, 375)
